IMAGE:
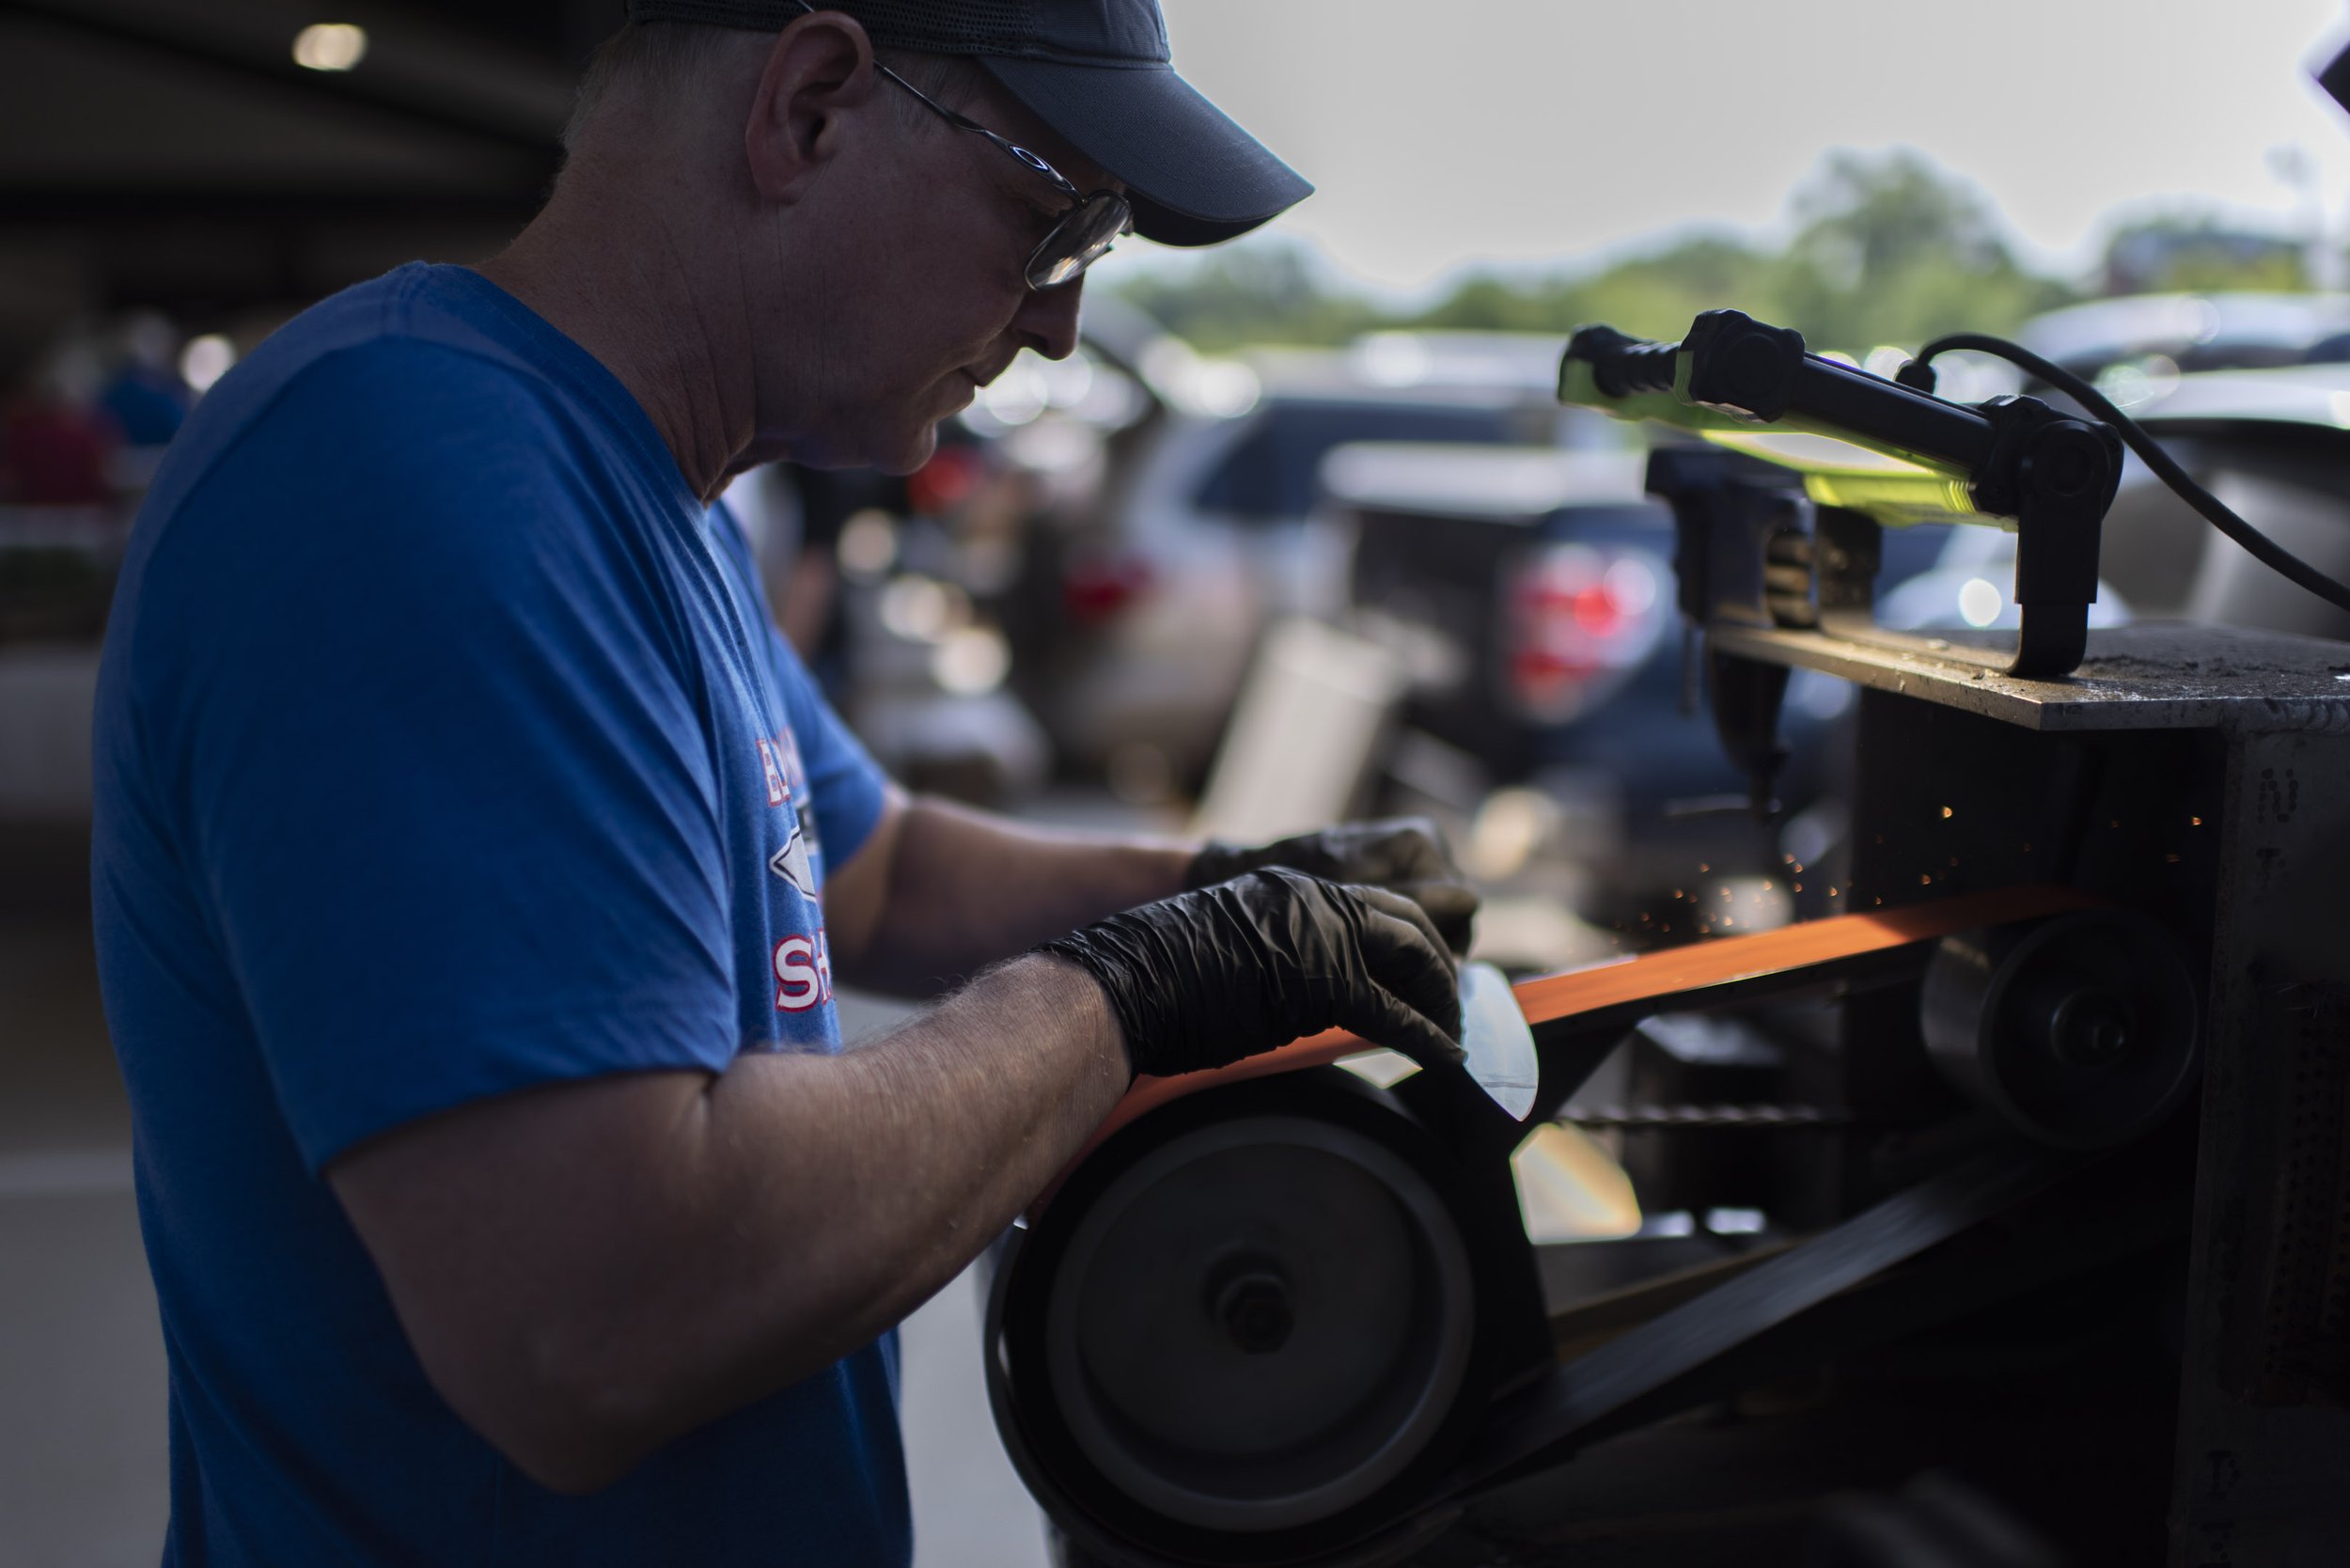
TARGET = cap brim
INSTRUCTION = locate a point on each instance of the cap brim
(1193, 176)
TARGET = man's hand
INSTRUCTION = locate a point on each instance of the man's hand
(1406, 854)
(1219, 973)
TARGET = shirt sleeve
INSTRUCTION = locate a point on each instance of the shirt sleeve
(445, 785)
(845, 783)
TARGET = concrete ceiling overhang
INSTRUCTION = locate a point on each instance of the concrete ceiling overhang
(172, 153)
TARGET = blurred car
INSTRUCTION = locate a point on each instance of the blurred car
(1522, 589)
(1208, 523)
(2161, 336)
(2272, 445)
(1527, 594)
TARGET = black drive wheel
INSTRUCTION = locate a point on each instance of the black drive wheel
(1250, 1325)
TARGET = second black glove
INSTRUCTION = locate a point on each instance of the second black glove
(1223, 972)
(1404, 854)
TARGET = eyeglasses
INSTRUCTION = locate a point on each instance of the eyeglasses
(1086, 229)
(1084, 232)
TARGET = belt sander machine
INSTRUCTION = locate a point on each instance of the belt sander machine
(2047, 1123)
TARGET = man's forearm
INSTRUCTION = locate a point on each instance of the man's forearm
(733, 1234)
(907, 1157)
(966, 889)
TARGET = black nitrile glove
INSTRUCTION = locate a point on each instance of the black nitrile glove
(1219, 973)
(1404, 854)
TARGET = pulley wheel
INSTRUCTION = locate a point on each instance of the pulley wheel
(2083, 1030)
(1259, 1323)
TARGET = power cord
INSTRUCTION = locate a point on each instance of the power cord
(1918, 375)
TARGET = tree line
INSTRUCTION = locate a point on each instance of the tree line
(1886, 248)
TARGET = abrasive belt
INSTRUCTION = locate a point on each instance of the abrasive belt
(1629, 988)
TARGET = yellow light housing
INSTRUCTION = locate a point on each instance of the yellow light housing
(1892, 489)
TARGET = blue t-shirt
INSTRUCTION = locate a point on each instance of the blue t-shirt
(444, 748)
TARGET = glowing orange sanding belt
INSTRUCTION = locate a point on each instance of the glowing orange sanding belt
(1650, 978)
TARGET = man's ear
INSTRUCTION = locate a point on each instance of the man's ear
(821, 66)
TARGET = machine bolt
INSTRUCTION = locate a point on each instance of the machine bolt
(2066, 460)
(2090, 1029)
(1255, 1311)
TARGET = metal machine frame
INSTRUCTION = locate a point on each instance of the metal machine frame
(2199, 773)
(2198, 1261)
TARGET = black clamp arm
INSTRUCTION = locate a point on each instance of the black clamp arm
(2053, 473)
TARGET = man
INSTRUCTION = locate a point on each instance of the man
(474, 865)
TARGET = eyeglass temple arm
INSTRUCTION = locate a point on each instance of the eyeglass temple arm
(961, 123)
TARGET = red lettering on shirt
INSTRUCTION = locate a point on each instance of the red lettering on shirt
(803, 973)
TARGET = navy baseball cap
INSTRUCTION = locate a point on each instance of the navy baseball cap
(1099, 72)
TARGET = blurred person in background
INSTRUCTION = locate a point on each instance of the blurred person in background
(56, 444)
(145, 396)
(473, 862)
(810, 608)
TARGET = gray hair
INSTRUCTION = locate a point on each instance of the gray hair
(667, 58)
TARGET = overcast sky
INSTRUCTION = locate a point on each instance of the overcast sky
(1447, 133)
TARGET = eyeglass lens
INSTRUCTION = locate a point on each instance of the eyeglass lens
(1081, 239)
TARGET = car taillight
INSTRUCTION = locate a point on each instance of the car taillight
(1581, 617)
(1095, 587)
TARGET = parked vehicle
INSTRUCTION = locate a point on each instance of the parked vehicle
(1208, 522)
(2273, 445)
(1529, 594)
(2156, 336)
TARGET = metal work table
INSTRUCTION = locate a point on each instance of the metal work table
(2148, 677)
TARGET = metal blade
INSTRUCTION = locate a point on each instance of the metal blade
(1499, 1044)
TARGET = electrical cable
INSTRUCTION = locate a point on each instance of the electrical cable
(2165, 467)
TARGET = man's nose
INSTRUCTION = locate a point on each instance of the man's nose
(1048, 319)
